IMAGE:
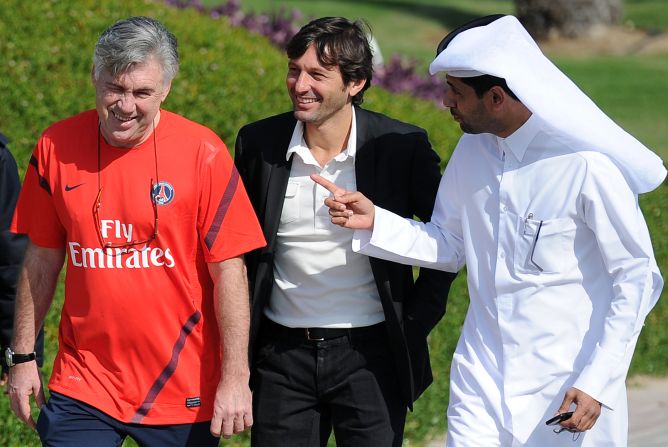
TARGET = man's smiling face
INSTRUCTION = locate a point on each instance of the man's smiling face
(317, 92)
(128, 104)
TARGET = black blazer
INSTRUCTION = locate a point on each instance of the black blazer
(12, 249)
(397, 169)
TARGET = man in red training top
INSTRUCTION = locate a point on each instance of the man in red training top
(154, 329)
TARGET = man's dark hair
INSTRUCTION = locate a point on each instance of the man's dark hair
(338, 42)
(483, 83)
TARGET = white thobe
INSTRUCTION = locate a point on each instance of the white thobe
(561, 276)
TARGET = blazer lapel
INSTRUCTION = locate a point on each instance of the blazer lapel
(275, 193)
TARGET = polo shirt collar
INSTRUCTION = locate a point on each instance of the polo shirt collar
(298, 144)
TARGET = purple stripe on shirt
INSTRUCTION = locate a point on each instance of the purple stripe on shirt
(223, 206)
(166, 373)
(42, 181)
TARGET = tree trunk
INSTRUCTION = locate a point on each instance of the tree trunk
(569, 18)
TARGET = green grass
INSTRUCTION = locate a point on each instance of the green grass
(229, 78)
(651, 15)
(631, 89)
(403, 27)
(413, 28)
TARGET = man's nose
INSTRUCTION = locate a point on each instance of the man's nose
(448, 103)
(448, 99)
(126, 102)
(302, 84)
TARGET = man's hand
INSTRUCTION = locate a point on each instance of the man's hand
(348, 209)
(232, 409)
(24, 380)
(586, 412)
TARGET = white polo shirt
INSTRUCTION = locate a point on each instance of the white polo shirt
(318, 280)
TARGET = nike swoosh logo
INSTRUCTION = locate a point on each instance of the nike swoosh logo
(70, 188)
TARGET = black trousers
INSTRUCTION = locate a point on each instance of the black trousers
(303, 389)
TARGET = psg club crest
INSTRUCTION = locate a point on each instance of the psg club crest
(163, 193)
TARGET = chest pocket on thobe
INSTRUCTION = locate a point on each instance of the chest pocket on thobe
(543, 246)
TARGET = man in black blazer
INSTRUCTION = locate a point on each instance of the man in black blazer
(12, 249)
(337, 340)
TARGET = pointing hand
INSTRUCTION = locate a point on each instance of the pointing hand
(347, 209)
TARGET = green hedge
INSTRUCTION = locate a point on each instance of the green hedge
(228, 78)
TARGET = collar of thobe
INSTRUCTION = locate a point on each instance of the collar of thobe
(504, 49)
(518, 142)
(298, 143)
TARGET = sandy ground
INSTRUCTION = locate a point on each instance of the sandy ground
(648, 408)
(619, 40)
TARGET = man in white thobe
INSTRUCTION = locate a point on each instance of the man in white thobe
(540, 201)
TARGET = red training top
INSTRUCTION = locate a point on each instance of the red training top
(138, 335)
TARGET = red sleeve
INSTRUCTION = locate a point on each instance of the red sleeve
(227, 223)
(35, 213)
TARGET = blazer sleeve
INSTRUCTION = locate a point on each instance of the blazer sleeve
(242, 163)
(239, 159)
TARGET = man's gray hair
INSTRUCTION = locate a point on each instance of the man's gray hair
(134, 41)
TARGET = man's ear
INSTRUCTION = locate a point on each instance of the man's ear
(165, 92)
(497, 96)
(355, 86)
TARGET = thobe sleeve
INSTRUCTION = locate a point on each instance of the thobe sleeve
(610, 209)
(437, 244)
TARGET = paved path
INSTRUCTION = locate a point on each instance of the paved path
(648, 409)
(648, 413)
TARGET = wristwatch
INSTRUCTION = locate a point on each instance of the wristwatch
(12, 358)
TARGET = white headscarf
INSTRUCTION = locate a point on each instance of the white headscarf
(504, 49)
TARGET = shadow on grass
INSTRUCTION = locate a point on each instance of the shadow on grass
(447, 16)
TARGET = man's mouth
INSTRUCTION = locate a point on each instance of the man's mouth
(306, 100)
(122, 118)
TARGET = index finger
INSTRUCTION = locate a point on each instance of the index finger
(21, 407)
(330, 186)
